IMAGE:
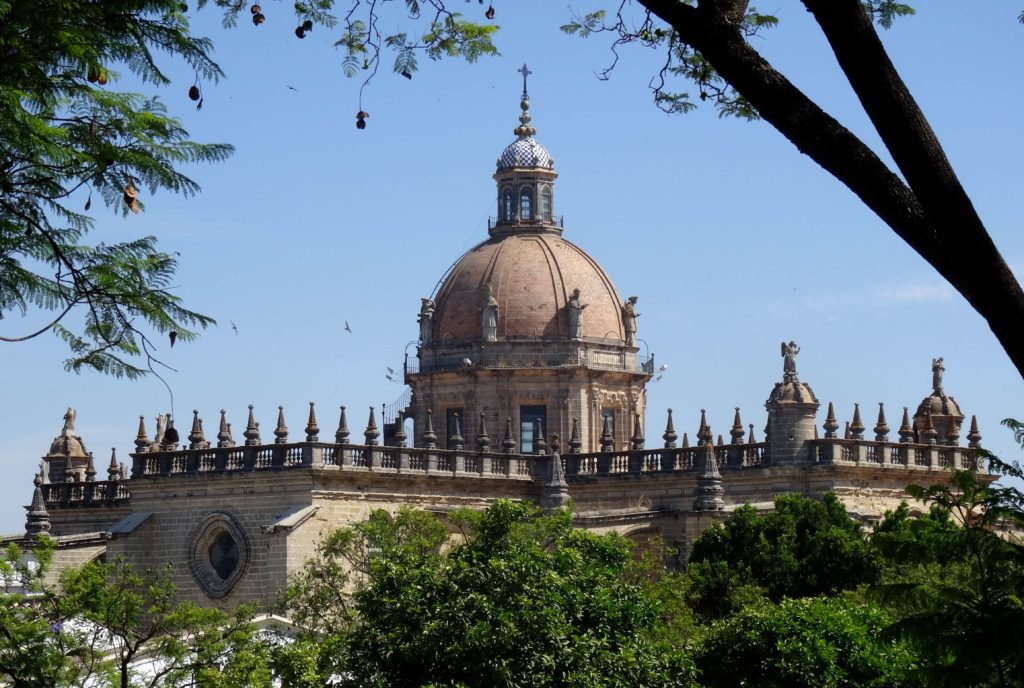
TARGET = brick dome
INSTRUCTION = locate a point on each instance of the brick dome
(532, 275)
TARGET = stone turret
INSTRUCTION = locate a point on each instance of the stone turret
(37, 522)
(792, 408)
(67, 458)
(946, 417)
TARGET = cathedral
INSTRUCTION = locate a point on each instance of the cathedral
(526, 384)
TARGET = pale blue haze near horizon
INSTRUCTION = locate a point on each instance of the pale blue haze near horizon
(731, 238)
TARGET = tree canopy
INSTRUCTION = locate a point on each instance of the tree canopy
(69, 135)
(110, 625)
(519, 599)
(802, 548)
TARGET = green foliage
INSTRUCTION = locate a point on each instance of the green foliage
(518, 600)
(95, 625)
(682, 62)
(66, 134)
(886, 11)
(31, 652)
(957, 598)
(442, 33)
(803, 548)
(816, 642)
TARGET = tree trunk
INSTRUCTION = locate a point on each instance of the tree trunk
(933, 214)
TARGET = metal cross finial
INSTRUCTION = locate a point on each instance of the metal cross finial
(525, 71)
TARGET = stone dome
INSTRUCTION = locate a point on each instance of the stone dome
(67, 445)
(525, 152)
(792, 391)
(532, 275)
(939, 405)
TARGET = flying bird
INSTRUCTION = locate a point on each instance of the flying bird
(234, 327)
(390, 378)
(390, 369)
(347, 328)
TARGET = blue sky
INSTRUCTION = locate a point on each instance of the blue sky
(731, 238)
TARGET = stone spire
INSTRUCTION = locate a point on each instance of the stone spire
(831, 424)
(973, 436)
(556, 491)
(857, 426)
(508, 443)
(429, 436)
(224, 433)
(637, 440)
(195, 437)
(400, 435)
(881, 427)
(540, 445)
(952, 437)
(371, 433)
(750, 439)
(737, 428)
(341, 434)
(929, 434)
(704, 435)
(141, 439)
(312, 430)
(455, 439)
(575, 441)
(37, 522)
(670, 435)
(113, 470)
(483, 440)
(906, 431)
(252, 430)
(686, 441)
(709, 491)
(281, 431)
(90, 470)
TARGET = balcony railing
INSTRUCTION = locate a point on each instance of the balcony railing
(551, 356)
(85, 493)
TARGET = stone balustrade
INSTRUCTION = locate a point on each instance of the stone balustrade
(85, 493)
(514, 355)
(467, 463)
(934, 457)
(319, 455)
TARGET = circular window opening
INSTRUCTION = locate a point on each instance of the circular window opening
(224, 555)
(219, 554)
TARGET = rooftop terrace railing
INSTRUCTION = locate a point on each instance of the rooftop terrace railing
(468, 463)
(85, 493)
(280, 457)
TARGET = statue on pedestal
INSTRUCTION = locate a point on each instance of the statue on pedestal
(426, 320)
(489, 315)
(629, 316)
(789, 352)
(575, 309)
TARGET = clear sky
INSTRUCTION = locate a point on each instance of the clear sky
(731, 238)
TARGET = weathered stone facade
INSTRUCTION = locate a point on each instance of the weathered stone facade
(527, 384)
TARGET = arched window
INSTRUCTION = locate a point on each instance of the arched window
(506, 205)
(545, 204)
(526, 204)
